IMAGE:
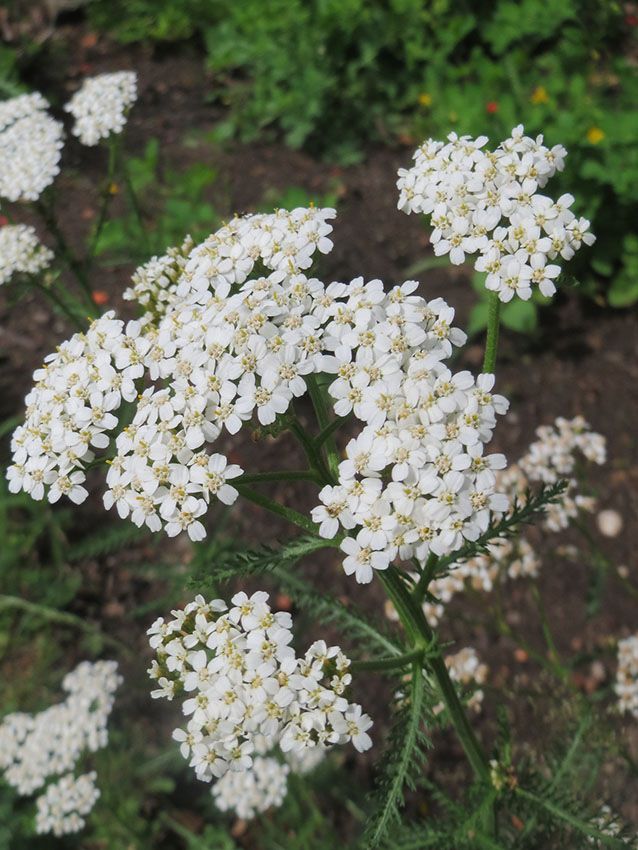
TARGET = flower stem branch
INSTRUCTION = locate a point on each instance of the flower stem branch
(493, 321)
(48, 215)
(398, 662)
(421, 587)
(323, 417)
(274, 507)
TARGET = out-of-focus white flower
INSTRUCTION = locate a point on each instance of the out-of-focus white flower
(250, 792)
(61, 808)
(609, 523)
(627, 675)
(30, 147)
(21, 252)
(36, 747)
(101, 105)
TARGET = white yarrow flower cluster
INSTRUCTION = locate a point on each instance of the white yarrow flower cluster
(627, 676)
(251, 792)
(488, 203)
(70, 411)
(21, 252)
(154, 284)
(62, 807)
(101, 105)
(30, 147)
(554, 456)
(415, 480)
(36, 747)
(244, 689)
(466, 668)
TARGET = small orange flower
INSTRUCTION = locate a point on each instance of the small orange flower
(491, 107)
(595, 135)
(100, 297)
(539, 95)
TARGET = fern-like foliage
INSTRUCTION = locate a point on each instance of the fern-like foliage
(280, 564)
(558, 810)
(106, 541)
(404, 759)
(523, 511)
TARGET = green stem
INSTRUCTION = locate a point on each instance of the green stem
(397, 662)
(133, 200)
(280, 475)
(491, 343)
(329, 430)
(313, 455)
(55, 299)
(48, 215)
(107, 195)
(423, 636)
(426, 577)
(274, 507)
(325, 421)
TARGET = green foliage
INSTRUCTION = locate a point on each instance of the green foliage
(403, 762)
(162, 206)
(280, 564)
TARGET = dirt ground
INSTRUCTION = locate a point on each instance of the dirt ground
(582, 361)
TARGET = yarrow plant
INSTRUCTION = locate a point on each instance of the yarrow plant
(231, 333)
(36, 747)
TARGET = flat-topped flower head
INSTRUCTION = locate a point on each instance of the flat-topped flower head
(231, 331)
(21, 252)
(30, 147)
(487, 203)
(245, 692)
(101, 105)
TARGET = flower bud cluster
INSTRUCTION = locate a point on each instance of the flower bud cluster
(101, 105)
(21, 252)
(554, 456)
(30, 147)
(154, 284)
(243, 687)
(487, 203)
(627, 675)
(35, 747)
(62, 807)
